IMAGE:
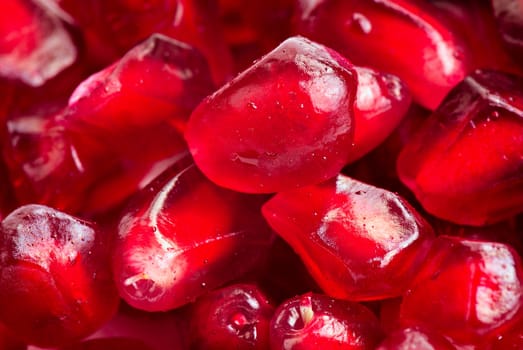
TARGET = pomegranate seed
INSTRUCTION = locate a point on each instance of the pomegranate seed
(55, 285)
(107, 147)
(382, 101)
(464, 164)
(373, 33)
(183, 237)
(467, 290)
(283, 123)
(415, 338)
(312, 321)
(234, 317)
(359, 242)
(34, 45)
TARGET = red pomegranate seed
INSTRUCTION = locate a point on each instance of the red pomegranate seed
(399, 37)
(235, 317)
(468, 290)
(55, 284)
(464, 164)
(382, 101)
(359, 242)
(121, 129)
(283, 123)
(509, 15)
(111, 28)
(312, 321)
(415, 339)
(34, 44)
(184, 236)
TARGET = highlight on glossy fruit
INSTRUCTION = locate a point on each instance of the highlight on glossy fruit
(464, 163)
(183, 236)
(56, 286)
(120, 130)
(359, 242)
(233, 317)
(400, 37)
(285, 122)
(468, 290)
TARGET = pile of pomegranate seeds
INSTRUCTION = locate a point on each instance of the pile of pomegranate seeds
(269, 175)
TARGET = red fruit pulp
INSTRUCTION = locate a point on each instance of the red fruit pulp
(55, 283)
(283, 123)
(235, 317)
(358, 242)
(467, 290)
(121, 129)
(381, 103)
(464, 164)
(373, 33)
(184, 236)
(315, 321)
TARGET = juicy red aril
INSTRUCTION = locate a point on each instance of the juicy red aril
(111, 28)
(235, 317)
(394, 36)
(359, 242)
(464, 164)
(183, 236)
(312, 321)
(34, 44)
(55, 283)
(382, 100)
(467, 290)
(120, 130)
(509, 14)
(283, 123)
(415, 338)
